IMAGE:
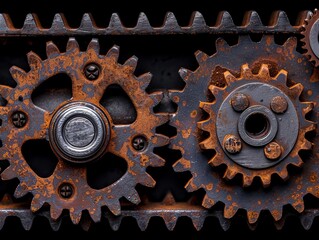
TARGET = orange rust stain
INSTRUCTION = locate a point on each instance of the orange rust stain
(229, 198)
(193, 114)
(184, 103)
(176, 99)
(185, 163)
(309, 92)
(186, 133)
(144, 160)
(209, 187)
(279, 50)
(313, 177)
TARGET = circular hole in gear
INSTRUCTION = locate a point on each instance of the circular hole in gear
(257, 125)
(105, 171)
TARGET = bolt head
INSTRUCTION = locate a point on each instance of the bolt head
(92, 71)
(273, 151)
(19, 119)
(139, 143)
(232, 144)
(279, 104)
(66, 190)
(239, 102)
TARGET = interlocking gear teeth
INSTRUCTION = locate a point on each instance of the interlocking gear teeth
(72, 62)
(310, 31)
(209, 72)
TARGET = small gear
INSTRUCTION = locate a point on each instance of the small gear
(270, 66)
(80, 130)
(310, 33)
(254, 125)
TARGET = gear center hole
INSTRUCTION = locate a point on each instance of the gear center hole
(257, 125)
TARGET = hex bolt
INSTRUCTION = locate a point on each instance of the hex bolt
(19, 119)
(278, 104)
(239, 102)
(139, 143)
(92, 71)
(232, 144)
(66, 190)
(273, 151)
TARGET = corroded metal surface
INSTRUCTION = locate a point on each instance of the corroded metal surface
(254, 200)
(72, 62)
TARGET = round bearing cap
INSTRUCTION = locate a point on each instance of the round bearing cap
(79, 132)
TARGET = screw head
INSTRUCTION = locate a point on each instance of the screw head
(239, 102)
(278, 104)
(273, 151)
(19, 119)
(139, 143)
(66, 190)
(232, 144)
(92, 71)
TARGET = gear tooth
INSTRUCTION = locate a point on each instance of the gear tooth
(157, 161)
(279, 18)
(87, 23)
(221, 44)
(308, 107)
(94, 45)
(264, 72)
(296, 90)
(216, 160)
(34, 60)
(27, 223)
(131, 63)
(170, 22)
(114, 53)
(170, 222)
(75, 216)
(246, 71)
(55, 212)
(145, 80)
(276, 214)
(299, 205)
(230, 78)
(198, 222)
(59, 23)
(115, 207)
(252, 217)
(230, 211)
(182, 165)
(245, 39)
(143, 23)
(142, 222)
(205, 125)
(5, 91)
(297, 161)
(206, 106)
(247, 180)
(36, 203)
(5, 22)
(251, 19)
(115, 223)
(115, 22)
(184, 73)
(283, 174)
(291, 43)
(31, 24)
(18, 74)
(147, 180)
(156, 97)
(266, 180)
(224, 20)
(8, 173)
(201, 57)
(282, 77)
(229, 174)
(215, 90)
(191, 186)
(52, 50)
(133, 196)
(160, 140)
(207, 202)
(72, 45)
(197, 21)
(95, 214)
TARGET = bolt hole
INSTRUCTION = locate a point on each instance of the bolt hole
(20, 98)
(257, 125)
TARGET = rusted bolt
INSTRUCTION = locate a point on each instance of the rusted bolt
(273, 151)
(92, 71)
(239, 102)
(139, 143)
(278, 104)
(232, 144)
(66, 190)
(19, 119)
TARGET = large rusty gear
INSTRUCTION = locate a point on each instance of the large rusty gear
(87, 92)
(310, 32)
(263, 58)
(264, 129)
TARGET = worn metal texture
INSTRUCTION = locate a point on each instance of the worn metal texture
(278, 23)
(84, 197)
(189, 123)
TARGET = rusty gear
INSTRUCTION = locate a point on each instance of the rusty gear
(263, 58)
(310, 33)
(257, 125)
(67, 187)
